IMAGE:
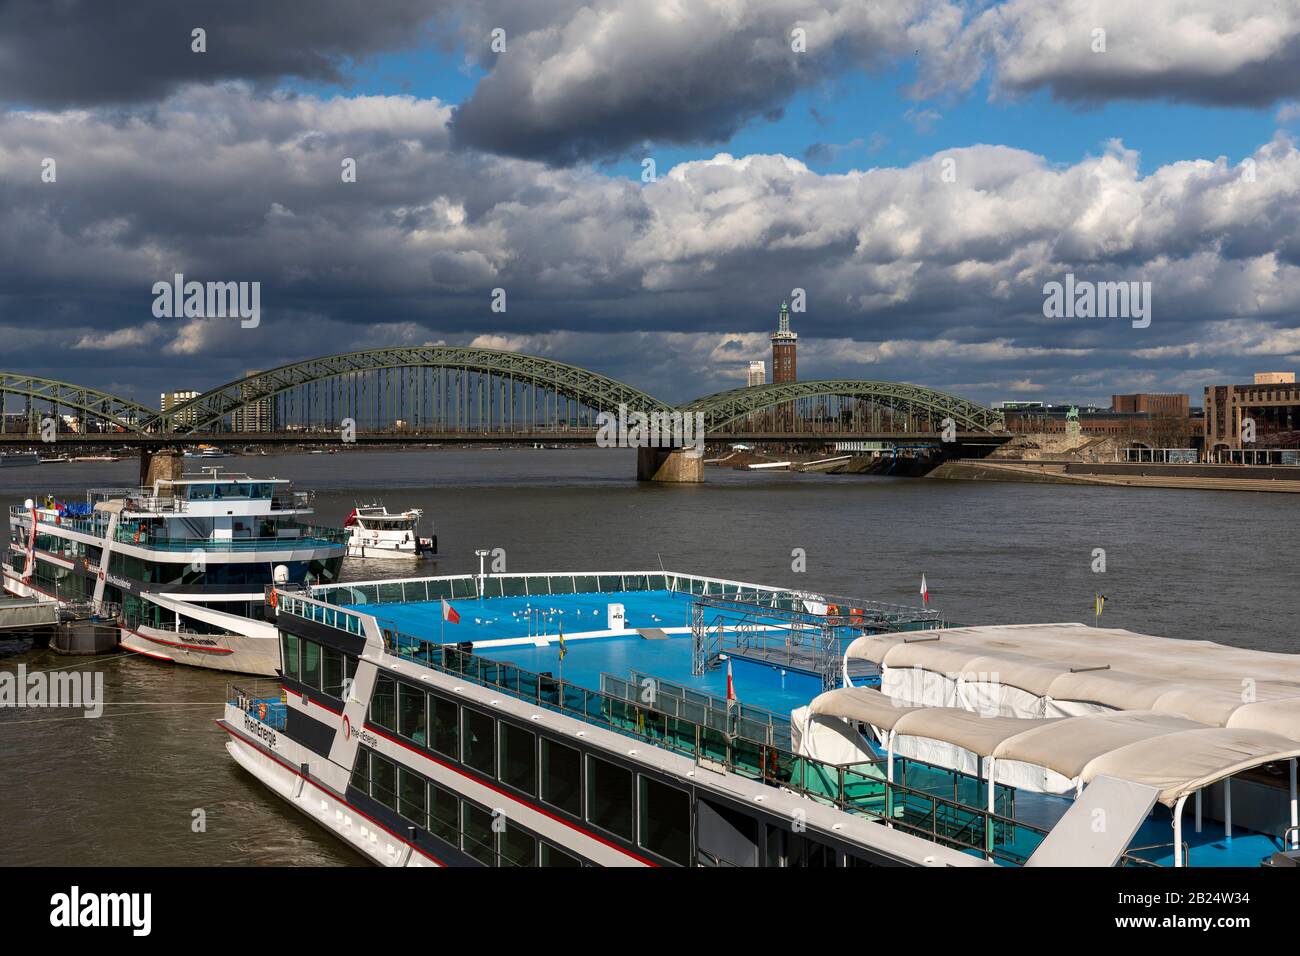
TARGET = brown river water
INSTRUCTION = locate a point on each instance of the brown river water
(123, 789)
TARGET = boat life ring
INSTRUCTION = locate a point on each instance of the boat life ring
(272, 598)
(261, 711)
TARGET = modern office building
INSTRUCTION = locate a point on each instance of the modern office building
(258, 416)
(170, 400)
(757, 374)
(1271, 403)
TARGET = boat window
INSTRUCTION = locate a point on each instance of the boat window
(311, 664)
(609, 797)
(444, 814)
(665, 814)
(411, 797)
(382, 704)
(519, 758)
(199, 492)
(410, 712)
(562, 777)
(477, 741)
(553, 856)
(289, 650)
(383, 781)
(444, 731)
(332, 672)
(518, 847)
(361, 770)
(477, 836)
(808, 853)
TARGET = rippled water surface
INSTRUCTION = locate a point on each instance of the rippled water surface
(123, 789)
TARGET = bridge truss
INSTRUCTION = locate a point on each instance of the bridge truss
(453, 390)
(841, 406)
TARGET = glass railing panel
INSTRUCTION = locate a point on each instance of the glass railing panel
(713, 744)
(747, 758)
(560, 583)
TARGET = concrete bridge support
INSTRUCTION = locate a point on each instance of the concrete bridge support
(669, 464)
(159, 463)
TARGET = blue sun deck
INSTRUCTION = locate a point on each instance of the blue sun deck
(531, 626)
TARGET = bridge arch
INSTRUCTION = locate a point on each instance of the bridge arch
(591, 390)
(112, 409)
(914, 401)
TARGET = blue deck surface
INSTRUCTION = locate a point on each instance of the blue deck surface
(497, 618)
(757, 684)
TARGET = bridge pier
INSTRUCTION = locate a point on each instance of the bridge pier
(669, 464)
(159, 463)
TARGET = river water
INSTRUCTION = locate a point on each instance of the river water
(126, 789)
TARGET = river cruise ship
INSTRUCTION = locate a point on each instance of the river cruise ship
(654, 718)
(181, 566)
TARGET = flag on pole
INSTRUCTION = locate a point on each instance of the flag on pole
(1100, 604)
(563, 649)
(449, 613)
(925, 591)
(731, 686)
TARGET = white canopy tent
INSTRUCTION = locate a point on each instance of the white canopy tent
(1176, 755)
(1062, 670)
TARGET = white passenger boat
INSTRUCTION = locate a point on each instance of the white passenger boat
(182, 566)
(376, 532)
(654, 718)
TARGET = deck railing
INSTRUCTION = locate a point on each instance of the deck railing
(858, 788)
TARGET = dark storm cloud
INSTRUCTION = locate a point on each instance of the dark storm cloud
(599, 79)
(88, 52)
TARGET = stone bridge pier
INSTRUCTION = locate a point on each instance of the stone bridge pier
(670, 464)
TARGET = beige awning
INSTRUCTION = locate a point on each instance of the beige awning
(1108, 667)
(1181, 763)
(978, 733)
(1067, 745)
(860, 703)
(1276, 716)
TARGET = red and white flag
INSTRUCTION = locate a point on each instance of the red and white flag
(925, 591)
(731, 686)
(449, 613)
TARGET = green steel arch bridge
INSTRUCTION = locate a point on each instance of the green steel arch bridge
(454, 393)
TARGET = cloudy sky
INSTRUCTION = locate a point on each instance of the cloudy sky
(647, 181)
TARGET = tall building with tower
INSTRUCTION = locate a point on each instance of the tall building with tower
(784, 344)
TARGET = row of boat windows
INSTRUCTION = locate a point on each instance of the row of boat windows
(487, 836)
(637, 809)
(254, 490)
(320, 668)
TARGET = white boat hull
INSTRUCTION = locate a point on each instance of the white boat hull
(383, 550)
(270, 756)
(236, 653)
